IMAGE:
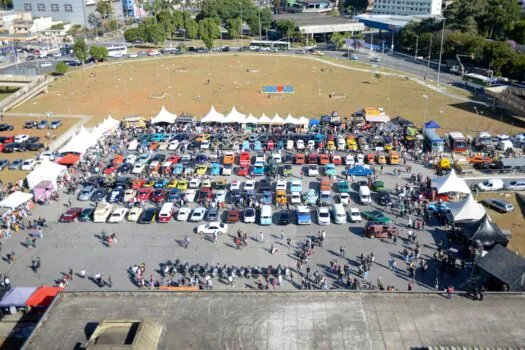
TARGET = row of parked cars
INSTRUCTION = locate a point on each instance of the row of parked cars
(20, 143)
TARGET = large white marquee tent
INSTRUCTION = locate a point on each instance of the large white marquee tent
(467, 210)
(164, 117)
(451, 184)
(213, 116)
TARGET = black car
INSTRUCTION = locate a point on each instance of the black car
(285, 218)
(158, 157)
(30, 125)
(96, 180)
(125, 168)
(148, 216)
(33, 146)
(12, 147)
(86, 214)
(33, 139)
(264, 185)
(235, 195)
(30, 58)
(3, 164)
(98, 195)
(383, 198)
(6, 127)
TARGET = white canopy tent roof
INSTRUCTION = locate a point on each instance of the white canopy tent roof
(213, 117)
(164, 117)
(291, 120)
(451, 183)
(467, 210)
(382, 118)
(264, 119)
(15, 200)
(303, 121)
(80, 142)
(235, 117)
(47, 171)
(276, 120)
(251, 119)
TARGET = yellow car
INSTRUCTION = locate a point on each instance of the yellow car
(201, 170)
(183, 185)
(202, 137)
(148, 184)
(330, 145)
(172, 184)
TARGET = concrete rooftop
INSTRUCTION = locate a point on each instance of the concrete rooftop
(289, 320)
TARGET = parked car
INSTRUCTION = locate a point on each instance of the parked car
(499, 205)
(490, 185)
(6, 127)
(212, 227)
(70, 215)
(323, 216)
(198, 214)
(518, 185)
(28, 164)
(4, 163)
(86, 193)
(55, 124)
(249, 215)
(16, 164)
(86, 214)
(380, 230)
(377, 216)
(117, 215)
(42, 124)
(148, 216)
(212, 214)
(183, 214)
(134, 214)
(355, 215)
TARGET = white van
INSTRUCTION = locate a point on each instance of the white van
(339, 213)
(364, 195)
(138, 168)
(166, 212)
(266, 215)
(289, 145)
(491, 185)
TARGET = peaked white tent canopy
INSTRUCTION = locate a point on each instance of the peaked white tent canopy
(303, 121)
(47, 171)
(164, 117)
(112, 123)
(80, 142)
(451, 183)
(467, 210)
(264, 119)
(251, 119)
(213, 117)
(235, 117)
(276, 120)
(290, 119)
(15, 200)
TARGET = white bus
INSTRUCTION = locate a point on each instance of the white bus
(279, 45)
(478, 81)
(117, 51)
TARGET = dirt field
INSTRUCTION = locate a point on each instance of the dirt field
(514, 221)
(123, 89)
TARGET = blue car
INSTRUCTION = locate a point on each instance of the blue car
(329, 169)
(437, 207)
(246, 145)
(258, 169)
(160, 183)
(257, 146)
(201, 158)
(215, 169)
(303, 215)
(318, 138)
(178, 169)
(267, 198)
(174, 195)
(159, 137)
(359, 170)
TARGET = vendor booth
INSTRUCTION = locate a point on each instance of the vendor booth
(451, 183)
(213, 117)
(502, 270)
(15, 200)
(485, 234)
(43, 296)
(16, 298)
(164, 117)
(43, 191)
(47, 171)
(467, 210)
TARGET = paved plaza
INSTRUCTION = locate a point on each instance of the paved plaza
(299, 320)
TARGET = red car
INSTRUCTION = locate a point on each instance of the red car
(336, 160)
(118, 159)
(244, 158)
(204, 194)
(144, 193)
(70, 215)
(243, 170)
(137, 184)
(158, 196)
(323, 159)
(232, 216)
(9, 139)
(110, 169)
(174, 159)
(312, 158)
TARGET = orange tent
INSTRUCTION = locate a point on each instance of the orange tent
(43, 296)
(69, 159)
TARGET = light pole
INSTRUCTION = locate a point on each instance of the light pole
(440, 53)
(371, 43)
(429, 57)
(417, 43)
(426, 110)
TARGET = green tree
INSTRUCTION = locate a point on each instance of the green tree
(133, 34)
(61, 68)
(57, 26)
(209, 31)
(234, 27)
(152, 32)
(191, 28)
(99, 53)
(497, 54)
(518, 32)
(74, 30)
(501, 16)
(338, 40)
(287, 28)
(104, 9)
(356, 6)
(80, 49)
(6, 4)
(265, 16)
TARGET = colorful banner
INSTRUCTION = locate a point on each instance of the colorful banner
(278, 89)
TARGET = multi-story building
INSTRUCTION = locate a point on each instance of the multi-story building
(407, 7)
(69, 11)
(522, 5)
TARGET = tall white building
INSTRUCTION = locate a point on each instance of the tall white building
(522, 5)
(407, 7)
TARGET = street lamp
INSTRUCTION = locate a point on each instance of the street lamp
(417, 43)
(440, 53)
(426, 109)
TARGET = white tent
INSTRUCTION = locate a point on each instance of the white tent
(15, 200)
(290, 120)
(264, 119)
(251, 119)
(80, 142)
(467, 210)
(303, 121)
(235, 117)
(276, 120)
(382, 118)
(213, 117)
(113, 123)
(47, 171)
(451, 183)
(164, 117)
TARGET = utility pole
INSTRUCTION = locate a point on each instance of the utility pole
(417, 42)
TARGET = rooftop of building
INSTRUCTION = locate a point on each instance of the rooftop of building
(307, 19)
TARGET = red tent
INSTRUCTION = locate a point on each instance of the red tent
(69, 159)
(43, 296)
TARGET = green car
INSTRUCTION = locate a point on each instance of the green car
(342, 187)
(287, 170)
(329, 170)
(377, 216)
(378, 185)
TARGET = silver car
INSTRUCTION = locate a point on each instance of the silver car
(16, 164)
(86, 193)
(499, 205)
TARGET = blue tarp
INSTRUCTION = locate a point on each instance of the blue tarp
(17, 297)
(432, 125)
(313, 122)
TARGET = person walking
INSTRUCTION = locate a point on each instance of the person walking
(261, 237)
(83, 274)
(342, 251)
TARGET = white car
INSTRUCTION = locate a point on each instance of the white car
(515, 186)
(28, 164)
(360, 159)
(277, 157)
(138, 168)
(212, 227)
(355, 215)
(323, 216)
(198, 214)
(350, 160)
(190, 195)
(249, 185)
(205, 145)
(46, 64)
(344, 198)
(280, 185)
(220, 196)
(21, 138)
(260, 158)
(235, 185)
(194, 183)
(490, 185)
(313, 170)
(183, 214)
(129, 194)
(296, 186)
(295, 198)
(118, 215)
(134, 214)
(249, 215)
(173, 145)
(47, 156)
(299, 144)
(131, 159)
(254, 48)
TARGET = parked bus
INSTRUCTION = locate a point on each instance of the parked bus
(117, 51)
(279, 45)
(457, 142)
(478, 81)
(433, 142)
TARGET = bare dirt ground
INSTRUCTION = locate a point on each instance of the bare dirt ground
(124, 89)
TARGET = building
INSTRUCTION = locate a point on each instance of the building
(311, 24)
(67, 11)
(522, 5)
(391, 23)
(310, 6)
(133, 9)
(407, 7)
(7, 18)
(32, 26)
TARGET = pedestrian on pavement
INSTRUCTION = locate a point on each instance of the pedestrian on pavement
(410, 286)
(282, 234)
(186, 241)
(83, 274)
(261, 237)
(110, 281)
(342, 251)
